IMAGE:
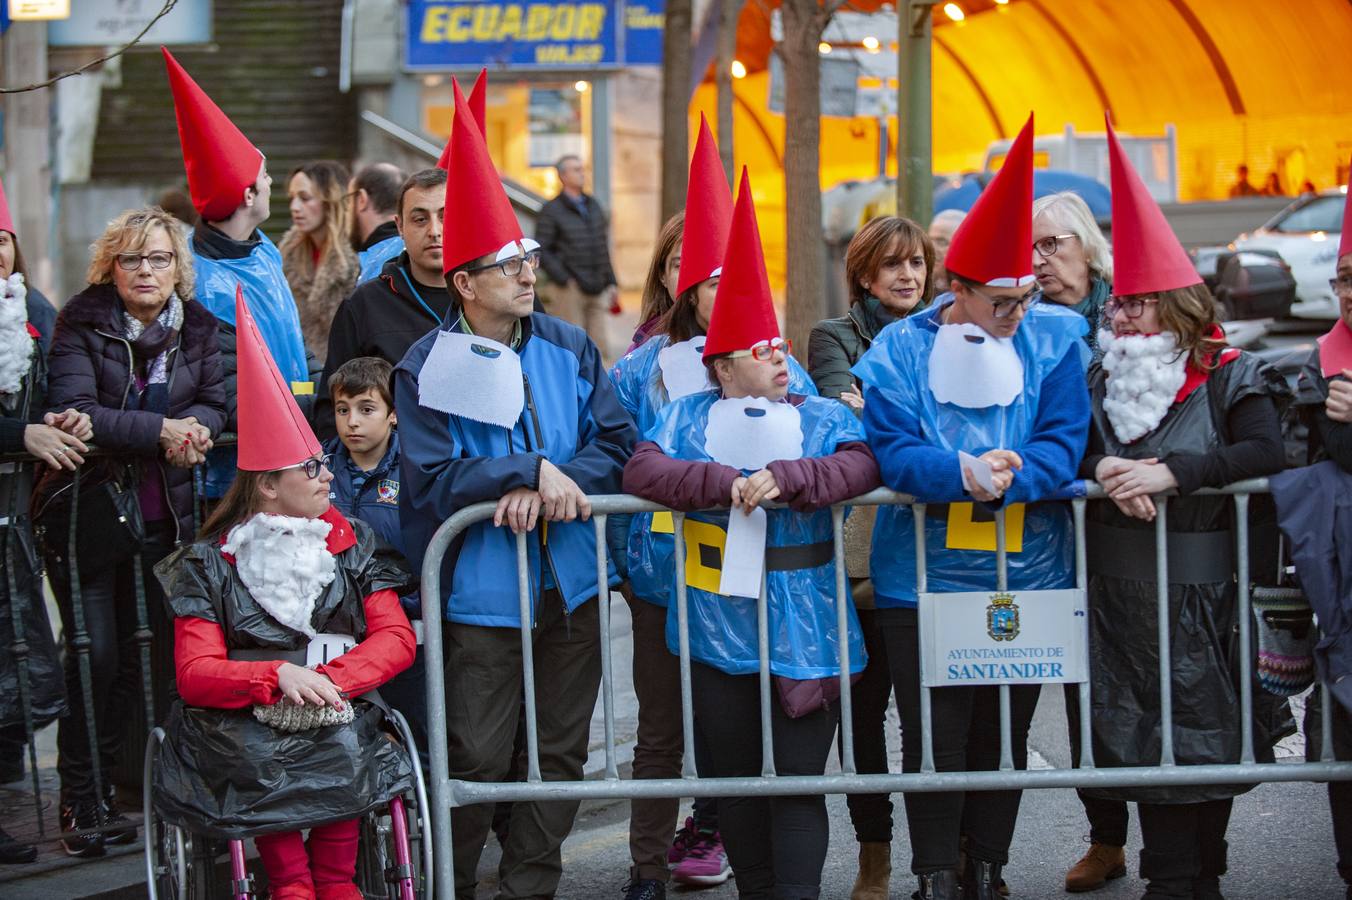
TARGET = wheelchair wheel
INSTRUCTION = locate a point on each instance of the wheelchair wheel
(394, 857)
(179, 865)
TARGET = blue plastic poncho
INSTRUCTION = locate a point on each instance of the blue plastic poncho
(273, 308)
(374, 257)
(802, 602)
(638, 383)
(960, 537)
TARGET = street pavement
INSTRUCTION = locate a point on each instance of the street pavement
(1281, 841)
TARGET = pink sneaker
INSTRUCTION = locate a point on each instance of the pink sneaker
(685, 839)
(705, 863)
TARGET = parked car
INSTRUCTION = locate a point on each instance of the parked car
(1305, 234)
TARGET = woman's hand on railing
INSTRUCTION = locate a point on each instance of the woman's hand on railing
(185, 443)
(57, 448)
(72, 422)
(301, 685)
(1130, 482)
(1003, 463)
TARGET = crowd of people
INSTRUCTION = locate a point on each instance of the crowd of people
(406, 332)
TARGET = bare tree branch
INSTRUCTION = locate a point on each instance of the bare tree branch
(164, 11)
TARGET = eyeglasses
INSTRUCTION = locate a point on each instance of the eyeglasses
(511, 267)
(311, 466)
(766, 351)
(1049, 245)
(1003, 309)
(130, 262)
(1131, 307)
(1341, 285)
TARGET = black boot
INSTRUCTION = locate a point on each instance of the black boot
(11, 851)
(113, 816)
(981, 880)
(1208, 883)
(1169, 876)
(78, 814)
(942, 885)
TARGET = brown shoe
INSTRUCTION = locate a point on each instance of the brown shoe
(875, 871)
(1096, 868)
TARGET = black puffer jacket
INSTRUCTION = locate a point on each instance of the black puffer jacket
(90, 369)
(573, 246)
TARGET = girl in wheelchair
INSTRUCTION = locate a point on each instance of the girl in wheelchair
(285, 615)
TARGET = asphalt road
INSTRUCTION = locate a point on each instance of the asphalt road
(1281, 841)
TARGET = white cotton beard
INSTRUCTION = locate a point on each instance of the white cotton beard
(1145, 374)
(285, 563)
(16, 344)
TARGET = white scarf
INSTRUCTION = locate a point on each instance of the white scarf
(16, 344)
(285, 564)
(1145, 374)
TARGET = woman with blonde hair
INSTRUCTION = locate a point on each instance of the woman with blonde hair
(137, 354)
(1071, 258)
(317, 259)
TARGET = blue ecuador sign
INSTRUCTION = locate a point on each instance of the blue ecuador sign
(464, 34)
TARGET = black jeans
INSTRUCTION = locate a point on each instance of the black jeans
(1340, 792)
(966, 736)
(776, 845)
(1181, 842)
(108, 601)
(1107, 818)
(871, 814)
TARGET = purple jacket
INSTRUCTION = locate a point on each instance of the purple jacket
(90, 370)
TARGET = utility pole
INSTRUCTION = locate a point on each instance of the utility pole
(27, 136)
(915, 159)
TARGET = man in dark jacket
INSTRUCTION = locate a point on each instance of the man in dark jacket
(575, 249)
(386, 315)
(506, 405)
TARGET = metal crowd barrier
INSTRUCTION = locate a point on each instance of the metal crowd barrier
(78, 639)
(447, 793)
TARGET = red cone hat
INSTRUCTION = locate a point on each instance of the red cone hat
(6, 220)
(219, 159)
(994, 244)
(272, 432)
(1345, 242)
(708, 213)
(1147, 257)
(744, 313)
(478, 107)
(481, 222)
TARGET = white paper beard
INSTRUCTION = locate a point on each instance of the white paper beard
(16, 344)
(683, 369)
(972, 369)
(472, 377)
(1145, 374)
(752, 432)
(285, 564)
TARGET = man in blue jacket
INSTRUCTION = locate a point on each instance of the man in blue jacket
(500, 404)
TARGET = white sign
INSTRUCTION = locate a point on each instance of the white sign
(108, 23)
(1014, 637)
(35, 10)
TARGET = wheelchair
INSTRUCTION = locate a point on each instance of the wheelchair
(394, 851)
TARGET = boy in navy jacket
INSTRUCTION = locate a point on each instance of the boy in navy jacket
(364, 459)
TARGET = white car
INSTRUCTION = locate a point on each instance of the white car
(1306, 235)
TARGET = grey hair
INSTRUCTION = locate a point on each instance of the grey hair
(951, 217)
(1069, 212)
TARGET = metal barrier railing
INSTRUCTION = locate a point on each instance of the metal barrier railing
(447, 793)
(78, 640)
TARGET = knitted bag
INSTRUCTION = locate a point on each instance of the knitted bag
(1286, 640)
(290, 717)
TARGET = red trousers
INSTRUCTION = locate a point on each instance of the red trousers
(331, 860)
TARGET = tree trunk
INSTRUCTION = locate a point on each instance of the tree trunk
(804, 21)
(729, 12)
(675, 106)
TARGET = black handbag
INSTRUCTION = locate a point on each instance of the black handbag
(108, 526)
